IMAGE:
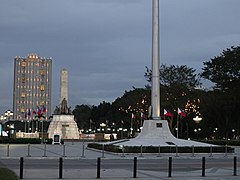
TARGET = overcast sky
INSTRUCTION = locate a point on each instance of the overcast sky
(106, 44)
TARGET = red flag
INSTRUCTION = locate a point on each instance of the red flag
(44, 109)
(39, 111)
(181, 113)
(166, 113)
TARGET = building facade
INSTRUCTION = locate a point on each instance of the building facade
(32, 87)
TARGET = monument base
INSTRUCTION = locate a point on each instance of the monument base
(65, 126)
(157, 133)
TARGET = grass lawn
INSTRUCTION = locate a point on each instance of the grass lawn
(6, 174)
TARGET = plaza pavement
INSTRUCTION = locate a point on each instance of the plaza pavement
(78, 150)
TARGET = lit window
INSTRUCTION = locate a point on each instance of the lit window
(24, 63)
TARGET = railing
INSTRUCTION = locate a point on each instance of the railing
(46, 150)
(134, 165)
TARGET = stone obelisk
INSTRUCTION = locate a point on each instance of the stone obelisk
(63, 124)
(63, 85)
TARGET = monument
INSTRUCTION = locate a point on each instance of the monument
(155, 132)
(63, 123)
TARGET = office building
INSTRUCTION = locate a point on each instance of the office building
(32, 87)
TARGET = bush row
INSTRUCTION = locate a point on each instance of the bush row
(223, 142)
(24, 141)
(163, 149)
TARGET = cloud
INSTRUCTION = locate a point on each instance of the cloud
(106, 44)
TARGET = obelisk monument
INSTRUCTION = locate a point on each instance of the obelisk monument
(63, 123)
(63, 85)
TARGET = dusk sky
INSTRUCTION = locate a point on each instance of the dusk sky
(106, 44)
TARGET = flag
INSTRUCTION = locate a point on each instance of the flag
(44, 109)
(34, 112)
(166, 113)
(142, 115)
(133, 116)
(39, 112)
(29, 113)
(181, 113)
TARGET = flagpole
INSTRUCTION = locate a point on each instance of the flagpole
(177, 124)
(122, 129)
(131, 129)
(155, 90)
(141, 122)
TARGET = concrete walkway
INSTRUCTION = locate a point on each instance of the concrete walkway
(78, 150)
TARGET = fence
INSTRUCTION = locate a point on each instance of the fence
(172, 168)
(46, 150)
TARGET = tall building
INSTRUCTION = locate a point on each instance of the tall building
(32, 87)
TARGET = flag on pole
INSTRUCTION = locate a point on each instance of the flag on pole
(181, 113)
(39, 111)
(44, 109)
(29, 112)
(133, 116)
(166, 113)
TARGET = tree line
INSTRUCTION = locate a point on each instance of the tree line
(180, 87)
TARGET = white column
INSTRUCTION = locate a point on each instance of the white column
(155, 94)
(63, 85)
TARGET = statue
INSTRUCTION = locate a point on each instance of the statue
(57, 110)
(64, 107)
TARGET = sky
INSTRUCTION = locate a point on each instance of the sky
(106, 44)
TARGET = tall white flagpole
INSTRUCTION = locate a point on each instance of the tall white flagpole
(155, 94)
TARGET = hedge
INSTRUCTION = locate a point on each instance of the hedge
(24, 141)
(163, 149)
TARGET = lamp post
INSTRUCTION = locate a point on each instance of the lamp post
(197, 120)
(42, 140)
(2, 119)
(9, 114)
(103, 125)
(233, 133)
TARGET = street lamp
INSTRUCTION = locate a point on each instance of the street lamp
(2, 119)
(8, 114)
(103, 126)
(197, 119)
(233, 132)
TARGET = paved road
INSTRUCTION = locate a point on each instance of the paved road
(145, 167)
(113, 166)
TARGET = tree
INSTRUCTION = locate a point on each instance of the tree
(223, 102)
(224, 70)
(82, 115)
(176, 76)
(178, 89)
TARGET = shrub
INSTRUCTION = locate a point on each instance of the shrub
(163, 149)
